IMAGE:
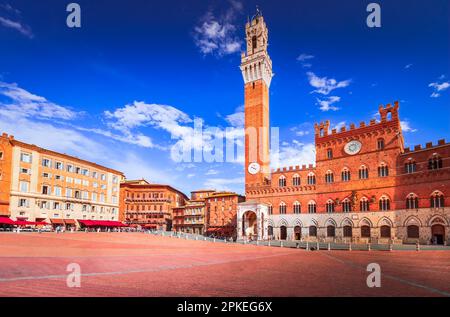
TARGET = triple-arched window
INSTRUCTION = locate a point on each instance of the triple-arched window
(297, 207)
(383, 170)
(435, 162)
(346, 205)
(364, 204)
(345, 175)
(329, 177)
(412, 201)
(384, 203)
(282, 181)
(312, 207)
(282, 208)
(311, 179)
(296, 180)
(437, 200)
(363, 172)
(330, 206)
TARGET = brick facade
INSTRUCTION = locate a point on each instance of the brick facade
(365, 186)
(149, 205)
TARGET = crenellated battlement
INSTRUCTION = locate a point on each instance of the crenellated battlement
(428, 145)
(387, 113)
(296, 168)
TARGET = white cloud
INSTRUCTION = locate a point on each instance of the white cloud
(438, 87)
(236, 119)
(217, 35)
(212, 172)
(223, 183)
(293, 154)
(325, 85)
(304, 57)
(408, 66)
(18, 26)
(405, 125)
(24, 103)
(338, 126)
(327, 104)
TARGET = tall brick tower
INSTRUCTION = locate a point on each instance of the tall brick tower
(256, 68)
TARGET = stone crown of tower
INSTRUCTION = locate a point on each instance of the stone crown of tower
(255, 62)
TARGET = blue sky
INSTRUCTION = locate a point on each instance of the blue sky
(127, 86)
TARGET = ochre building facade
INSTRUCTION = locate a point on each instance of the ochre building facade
(37, 184)
(365, 186)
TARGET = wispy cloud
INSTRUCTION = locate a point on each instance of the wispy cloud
(406, 127)
(293, 153)
(408, 66)
(24, 29)
(304, 59)
(327, 104)
(439, 87)
(325, 85)
(216, 35)
(223, 183)
(23, 103)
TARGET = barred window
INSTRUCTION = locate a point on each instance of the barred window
(313, 231)
(365, 231)
(413, 231)
(329, 153)
(331, 231)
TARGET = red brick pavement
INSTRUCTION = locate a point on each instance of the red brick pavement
(136, 264)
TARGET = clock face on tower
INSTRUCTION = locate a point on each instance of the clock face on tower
(254, 168)
(352, 147)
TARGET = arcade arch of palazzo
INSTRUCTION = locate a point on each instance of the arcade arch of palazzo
(397, 226)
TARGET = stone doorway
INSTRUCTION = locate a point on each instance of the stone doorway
(437, 234)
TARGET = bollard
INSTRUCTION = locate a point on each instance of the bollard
(307, 246)
(318, 246)
(214, 239)
(257, 242)
(368, 247)
(417, 246)
(350, 246)
(269, 243)
(196, 238)
(329, 246)
(281, 244)
(204, 239)
(390, 246)
(297, 245)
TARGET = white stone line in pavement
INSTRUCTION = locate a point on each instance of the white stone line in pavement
(162, 268)
(395, 278)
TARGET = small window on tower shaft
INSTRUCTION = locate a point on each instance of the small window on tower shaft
(254, 42)
(329, 153)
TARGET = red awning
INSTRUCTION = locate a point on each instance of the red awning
(6, 221)
(150, 225)
(101, 223)
(57, 221)
(25, 223)
(69, 221)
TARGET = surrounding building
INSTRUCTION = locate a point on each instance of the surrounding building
(208, 212)
(365, 186)
(37, 184)
(221, 210)
(149, 205)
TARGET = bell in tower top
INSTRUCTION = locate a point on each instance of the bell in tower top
(255, 62)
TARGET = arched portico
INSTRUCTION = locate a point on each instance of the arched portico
(252, 220)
